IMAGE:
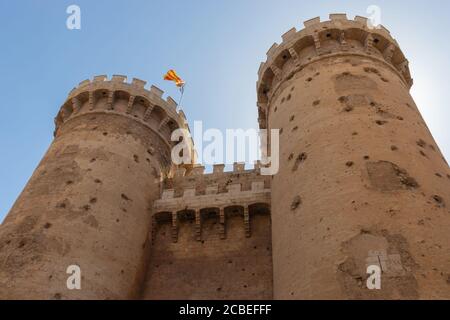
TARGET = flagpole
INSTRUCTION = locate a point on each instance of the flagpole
(181, 97)
(171, 75)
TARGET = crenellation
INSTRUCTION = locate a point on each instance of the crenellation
(119, 78)
(156, 91)
(386, 30)
(218, 172)
(238, 167)
(172, 104)
(218, 168)
(260, 71)
(183, 116)
(272, 49)
(83, 84)
(197, 170)
(338, 16)
(257, 166)
(311, 22)
(289, 34)
(100, 78)
(361, 20)
(138, 83)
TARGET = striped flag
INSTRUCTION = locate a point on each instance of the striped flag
(171, 75)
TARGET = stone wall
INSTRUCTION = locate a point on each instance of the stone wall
(212, 237)
(360, 174)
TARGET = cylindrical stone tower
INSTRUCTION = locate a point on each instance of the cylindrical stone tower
(87, 203)
(361, 180)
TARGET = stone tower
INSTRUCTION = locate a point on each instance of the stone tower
(361, 183)
(88, 202)
(361, 179)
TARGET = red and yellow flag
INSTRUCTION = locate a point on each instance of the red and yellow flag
(171, 75)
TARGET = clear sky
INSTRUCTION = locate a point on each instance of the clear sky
(216, 46)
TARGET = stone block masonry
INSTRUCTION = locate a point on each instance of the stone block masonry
(361, 182)
(359, 169)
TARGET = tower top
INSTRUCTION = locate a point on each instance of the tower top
(319, 40)
(137, 88)
(141, 104)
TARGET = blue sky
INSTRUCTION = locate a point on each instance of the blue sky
(216, 46)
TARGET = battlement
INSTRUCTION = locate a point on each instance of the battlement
(136, 87)
(218, 170)
(195, 178)
(319, 40)
(193, 195)
(133, 100)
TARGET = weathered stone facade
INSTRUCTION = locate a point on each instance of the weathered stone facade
(361, 182)
(356, 153)
(212, 236)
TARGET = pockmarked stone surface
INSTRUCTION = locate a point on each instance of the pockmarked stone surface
(361, 183)
(373, 179)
